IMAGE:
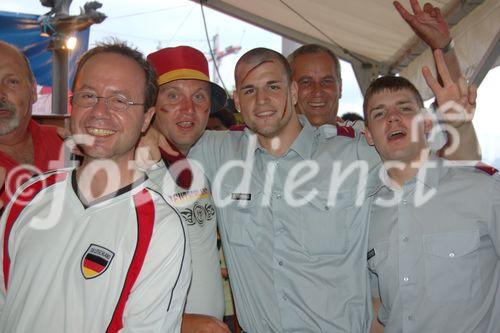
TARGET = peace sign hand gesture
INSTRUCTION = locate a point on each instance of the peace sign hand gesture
(428, 23)
(456, 101)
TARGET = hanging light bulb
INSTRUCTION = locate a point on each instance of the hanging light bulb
(71, 43)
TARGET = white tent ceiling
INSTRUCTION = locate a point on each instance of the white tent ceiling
(372, 36)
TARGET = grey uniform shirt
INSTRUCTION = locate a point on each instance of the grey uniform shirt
(294, 266)
(434, 256)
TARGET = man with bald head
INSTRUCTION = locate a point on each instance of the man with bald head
(26, 148)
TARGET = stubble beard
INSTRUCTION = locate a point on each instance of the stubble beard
(9, 125)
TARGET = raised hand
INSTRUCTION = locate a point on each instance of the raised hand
(456, 100)
(427, 22)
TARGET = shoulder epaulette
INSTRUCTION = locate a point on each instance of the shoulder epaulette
(237, 128)
(346, 131)
(486, 168)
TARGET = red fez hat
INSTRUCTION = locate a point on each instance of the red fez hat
(186, 63)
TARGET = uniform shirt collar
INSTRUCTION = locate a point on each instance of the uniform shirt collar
(302, 145)
(305, 140)
(429, 174)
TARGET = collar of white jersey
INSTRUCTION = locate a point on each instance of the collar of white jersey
(129, 189)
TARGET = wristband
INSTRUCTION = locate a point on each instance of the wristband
(448, 47)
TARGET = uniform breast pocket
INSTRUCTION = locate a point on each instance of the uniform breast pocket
(241, 216)
(451, 265)
(325, 227)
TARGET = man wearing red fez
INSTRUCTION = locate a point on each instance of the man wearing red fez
(186, 97)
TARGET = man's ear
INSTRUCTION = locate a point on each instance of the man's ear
(236, 100)
(368, 136)
(427, 125)
(294, 91)
(34, 94)
(147, 118)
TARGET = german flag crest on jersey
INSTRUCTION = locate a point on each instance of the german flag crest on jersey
(95, 261)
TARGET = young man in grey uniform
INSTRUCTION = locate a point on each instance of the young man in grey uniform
(293, 257)
(434, 242)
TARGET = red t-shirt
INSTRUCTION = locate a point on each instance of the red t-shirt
(49, 155)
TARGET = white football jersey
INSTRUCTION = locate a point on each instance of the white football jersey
(120, 263)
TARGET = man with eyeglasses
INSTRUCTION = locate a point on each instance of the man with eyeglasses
(97, 248)
(26, 148)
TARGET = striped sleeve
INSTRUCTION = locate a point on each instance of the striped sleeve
(11, 217)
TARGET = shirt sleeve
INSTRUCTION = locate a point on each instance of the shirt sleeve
(367, 153)
(158, 297)
(207, 152)
(495, 212)
(5, 241)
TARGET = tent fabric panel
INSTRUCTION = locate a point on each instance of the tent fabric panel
(473, 36)
(372, 29)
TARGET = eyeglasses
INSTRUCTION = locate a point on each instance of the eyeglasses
(88, 99)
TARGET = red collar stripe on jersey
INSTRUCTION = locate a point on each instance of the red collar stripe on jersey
(145, 211)
(21, 201)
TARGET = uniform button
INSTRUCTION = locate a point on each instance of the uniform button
(406, 279)
(452, 254)
(278, 196)
(280, 263)
(406, 238)
(405, 202)
(285, 298)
